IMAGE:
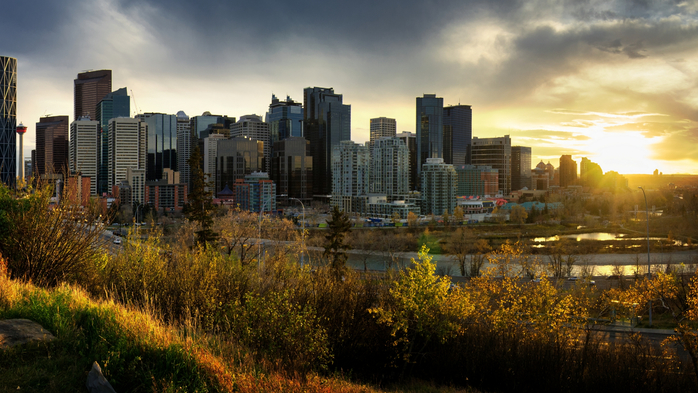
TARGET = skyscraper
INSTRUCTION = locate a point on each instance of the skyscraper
(285, 119)
(520, 168)
(439, 184)
(8, 120)
(237, 157)
(52, 145)
(183, 146)
(292, 167)
(494, 152)
(458, 132)
(430, 111)
(252, 126)
(327, 121)
(590, 173)
(89, 88)
(568, 171)
(161, 144)
(390, 167)
(477, 180)
(350, 174)
(114, 104)
(84, 148)
(382, 127)
(411, 142)
(127, 148)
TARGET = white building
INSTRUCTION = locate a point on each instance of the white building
(253, 127)
(390, 167)
(211, 154)
(183, 146)
(439, 184)
(83, 149)
(350, 173)
(126, 147)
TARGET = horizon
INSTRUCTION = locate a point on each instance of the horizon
(612, 81)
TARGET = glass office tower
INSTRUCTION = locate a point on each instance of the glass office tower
(8, 120)
(430, 111)
(458, 131)
(113, 105)
(90, 88)
(285, 119)
(327, 121)
(161, 144)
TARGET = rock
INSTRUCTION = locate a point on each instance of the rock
(21, 331)
(96, 383)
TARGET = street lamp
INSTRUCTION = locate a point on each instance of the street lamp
(303, 228)
(649, 271)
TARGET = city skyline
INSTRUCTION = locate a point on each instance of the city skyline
(612, 81)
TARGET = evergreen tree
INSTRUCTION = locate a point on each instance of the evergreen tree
(200, 200)
(338, 226)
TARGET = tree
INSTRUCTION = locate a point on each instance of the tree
(236, 229)
(459, 245)
(412, 219)
(337, 227)
(446, 217)
(477, 260)
(366, 241)
(458, 215)
(200, 200)
(518, 214)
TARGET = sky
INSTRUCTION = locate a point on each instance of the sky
(614, 81)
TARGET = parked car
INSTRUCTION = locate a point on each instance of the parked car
(117, 241)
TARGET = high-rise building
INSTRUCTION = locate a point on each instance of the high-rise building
(89, 88)
(326, 122)
(590, 173)
(285, 119)
(255, 193)
(382, 127)
(477, 180)
(237, 157)
(52, 145)
(494, 152)
(114, 104)
(203, 126)
(410, 140)
(520, 168)
(568, 170)
(390, 167)
(439, 184)
(458, 132)
(183, 146)
(28, 169)
(161, 144)
(84, 148)
(8, 120)
(127, 149)
(210, 153)
(350, 174)
(292, 168)
(252, 126)
(430, 112)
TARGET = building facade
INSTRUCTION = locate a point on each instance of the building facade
(496, 153)
(590, 173)
(161, 144)
(52, 147)
(382, 127)
(8, 120)
(237, 157)
(285, 119)
(390, 167)
(458, 132)
(476, 180)
(183, 146)
(410, 140)
(520, 168)
(439, 183)
(255, 193)
(568, 171)
(127, 149)
(89, 89)
(326, 122)
(168, 194)
(114, 104)
(84, 150)
(350, 174)
(252, 126)
(292, 168)
(430, 139)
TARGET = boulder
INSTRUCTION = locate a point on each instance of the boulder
(96, 383)
(21, 331)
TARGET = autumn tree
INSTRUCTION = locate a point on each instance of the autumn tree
(237, 229)
(366, 241)
(458, 215)
(459, 245)
(518, 214)
(412, 219)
